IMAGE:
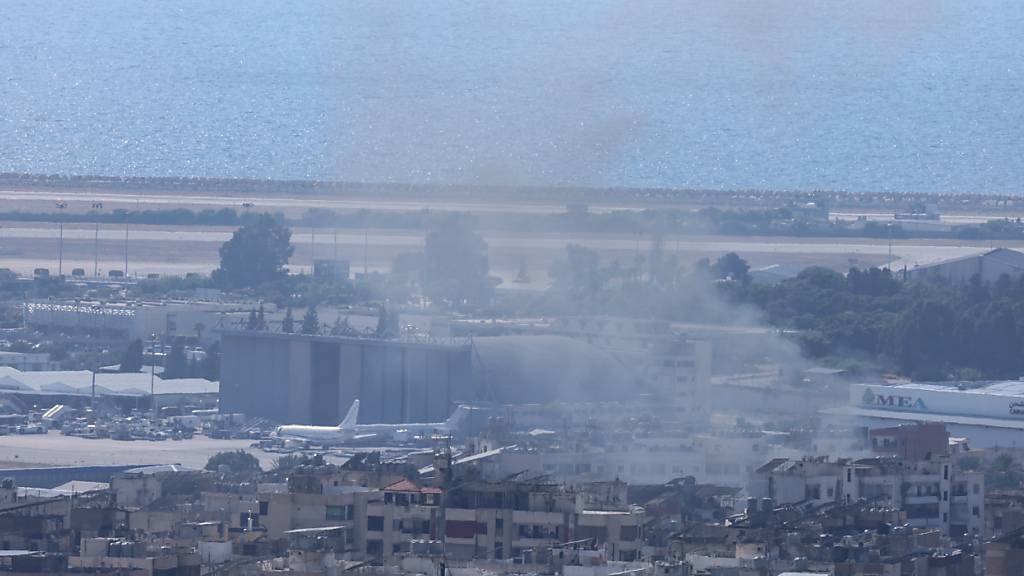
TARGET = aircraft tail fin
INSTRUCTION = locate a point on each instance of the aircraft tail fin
(352, 416)
(458, 415)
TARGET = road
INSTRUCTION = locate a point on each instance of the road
(25, 246)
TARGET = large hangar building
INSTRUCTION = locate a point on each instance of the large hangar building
(987, 413)
(303, 379)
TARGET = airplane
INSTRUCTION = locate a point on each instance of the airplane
(349, 430)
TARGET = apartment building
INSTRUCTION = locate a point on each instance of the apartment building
(934, 493)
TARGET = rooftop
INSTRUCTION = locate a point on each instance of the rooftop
(926, 417)
(79, 383)
(988, 387)
(406, 485)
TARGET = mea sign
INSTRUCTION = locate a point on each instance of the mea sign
(892, 401)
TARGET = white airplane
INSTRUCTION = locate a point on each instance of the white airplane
(349, 430)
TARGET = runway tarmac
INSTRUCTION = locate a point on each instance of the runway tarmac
(55, 449)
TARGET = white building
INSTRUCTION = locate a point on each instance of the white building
(988, 265)
(138, 319)
(933, 493)
(988, 414)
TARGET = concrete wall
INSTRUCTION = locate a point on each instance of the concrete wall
(300, 379)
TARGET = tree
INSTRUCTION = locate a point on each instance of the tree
(261, 320)
(238, 462)
(288, 324)
(250, 324)
(733, 267)
(176, 365)
(923, 338)
(132, 359)
(387, 323)
(193, 367)
(580, 273)
(456, 268)
(1004, 472)
(256, 253)
(209, 368)
(310, 322)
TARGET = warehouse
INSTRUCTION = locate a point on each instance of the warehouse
(988, 266)
(986, 413)
(128, 389)
(304, 379)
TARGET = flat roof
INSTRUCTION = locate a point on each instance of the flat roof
(459, 344)
(987, 388)
(926, 417)
(79, 383)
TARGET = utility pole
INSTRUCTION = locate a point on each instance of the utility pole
(96, 242)
(61, 205)
(888, 264)
(126, 248)
(152, 376)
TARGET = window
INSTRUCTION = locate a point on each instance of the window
(945, 495)
(460, 528)
(337, 513)
(976, 488)
(975, 511)
(628, 533)
(375, 548)
(375, 523)
(499, 526)
(264, 508)
(945, 472)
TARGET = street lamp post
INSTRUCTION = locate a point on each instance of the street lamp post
(126, 248)
(96, 242)
(61, 205)
(888, 264)
(152, 376)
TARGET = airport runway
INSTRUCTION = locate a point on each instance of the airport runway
(25, 246)
(54, 449)
(78, 201)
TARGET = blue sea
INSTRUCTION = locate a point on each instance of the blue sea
(915, 95)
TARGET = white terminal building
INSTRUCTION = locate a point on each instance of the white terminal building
(987, 414)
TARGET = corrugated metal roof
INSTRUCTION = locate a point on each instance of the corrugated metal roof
(79, 383)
